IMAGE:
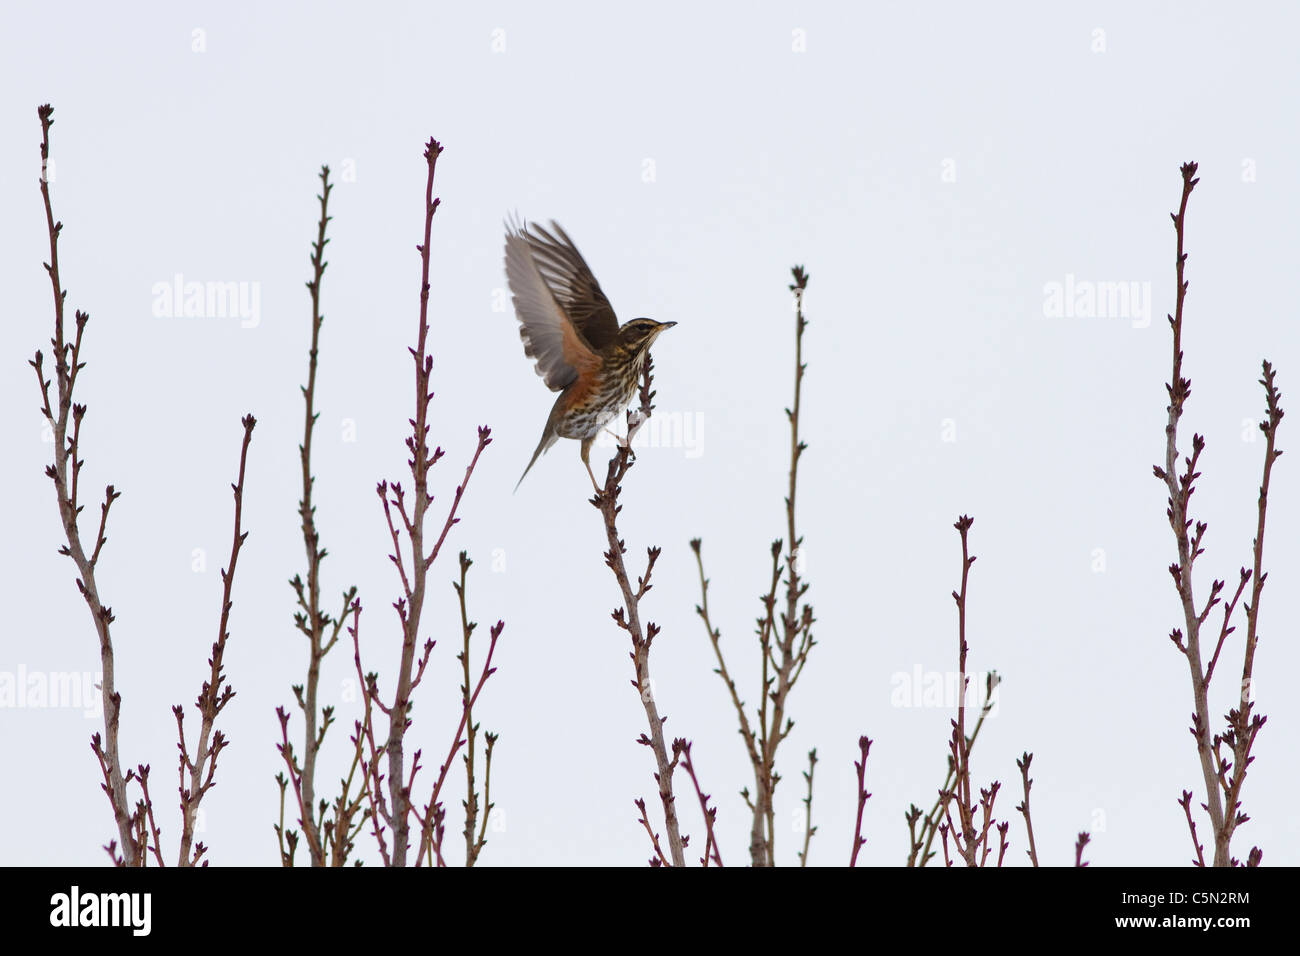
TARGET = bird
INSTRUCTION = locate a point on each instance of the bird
(571, 332)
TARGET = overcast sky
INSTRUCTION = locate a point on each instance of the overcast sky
(960, 184)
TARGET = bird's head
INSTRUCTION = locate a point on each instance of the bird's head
(637, 336)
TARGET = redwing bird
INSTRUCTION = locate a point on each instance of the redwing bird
(570, 330)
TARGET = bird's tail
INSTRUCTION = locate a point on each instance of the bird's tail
(548, 439)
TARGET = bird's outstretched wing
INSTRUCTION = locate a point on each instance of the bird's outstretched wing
(564, 317)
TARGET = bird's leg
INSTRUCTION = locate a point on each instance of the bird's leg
(586, 460)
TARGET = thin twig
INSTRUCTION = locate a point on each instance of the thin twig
(795, 626)
(64, 473)
(215, 693)
(629, 619)
(489, 742)
(1079, 844)
(864, 746)
(920, 852)
(433, 809)
(784, 637)
(715, 638)
(961, 747)
(1223, 776)
(1180, 491)
(808, 828)
(311, 620)
(1186, 804)
(410, 606)
(1243, 725)
(152, 840)
(710, 814)
(971, 841)
(658, 859)
(364, 739)
(473, 843)
(420, 462)
(1023, 807)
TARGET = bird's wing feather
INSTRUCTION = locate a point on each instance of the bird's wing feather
(571, 281)
(549, 333)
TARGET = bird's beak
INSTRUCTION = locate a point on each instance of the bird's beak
(666, 325)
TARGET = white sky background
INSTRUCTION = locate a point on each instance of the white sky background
(926, 304)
